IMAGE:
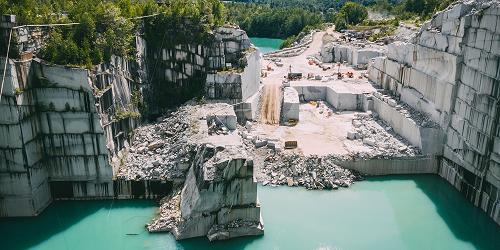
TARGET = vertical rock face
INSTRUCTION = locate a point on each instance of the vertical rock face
(355, 54)
(117, 88)
(219, 195)
(451, 72)
(226, 68)
(50, 129)
(62, 125)
(219, 198)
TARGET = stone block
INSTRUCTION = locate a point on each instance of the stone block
(226, 215)
(471, 57)
(481, 36)
(260, 143)
(392, 102)
(475, 21)
(437, 20)
(401, 52)
(454, 45)
(436, 63)
(451, 27)
(434, 40)
(459, 10)
(495, 45)
(465, 24)
(488, 22)
(497, 29)
(369, 142)
(352, 135)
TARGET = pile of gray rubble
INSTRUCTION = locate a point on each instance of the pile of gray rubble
(380, 137)
(161, 151)
(311, 172)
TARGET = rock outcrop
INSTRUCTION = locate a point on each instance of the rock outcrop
(219, 194)
(357, 54)
(53, 144)
(450, 72)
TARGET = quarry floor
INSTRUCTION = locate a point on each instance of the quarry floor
(300, 64)
(320, 130)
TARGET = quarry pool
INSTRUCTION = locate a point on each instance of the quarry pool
(266, 45)
(397, 212)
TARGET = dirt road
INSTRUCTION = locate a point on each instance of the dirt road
(271, 104)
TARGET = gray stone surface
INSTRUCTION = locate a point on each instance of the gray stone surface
(448, 73)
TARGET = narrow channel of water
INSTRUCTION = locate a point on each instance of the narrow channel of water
(396, 212)
(266, 45)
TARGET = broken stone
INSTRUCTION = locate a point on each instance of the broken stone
(352, 135)
(369, 142)
(260, 143)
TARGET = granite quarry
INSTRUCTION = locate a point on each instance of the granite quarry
(427, 103)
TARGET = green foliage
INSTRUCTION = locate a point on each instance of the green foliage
(354, 13)
(107, 27)
(380, 23)
(340, 21)
(276, 22)
(18, 91)
(310, 5)
(122, 114)
(185, 22)
(288, 42)
(414, 10)
(201, 100)
(350, 14)
(384, 32)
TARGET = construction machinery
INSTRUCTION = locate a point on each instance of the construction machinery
(294, 76)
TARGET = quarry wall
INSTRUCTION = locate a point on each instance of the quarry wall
(64, 127)
(52, 132)
(450, 71)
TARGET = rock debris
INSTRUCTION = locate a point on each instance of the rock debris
(311, 172)
(161, 151)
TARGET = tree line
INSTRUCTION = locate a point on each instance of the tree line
(107, 26)
(274, 22)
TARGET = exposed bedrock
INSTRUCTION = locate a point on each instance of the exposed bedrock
(450, 71)
(63, 128)
(356, 54)
(219, 195)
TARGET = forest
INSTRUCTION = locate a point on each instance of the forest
(108, 27)
(265, 21)
(285, 19)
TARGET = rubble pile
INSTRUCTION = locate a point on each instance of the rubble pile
(408, 111)
(376, 134)
(311, 172)
(161, 151)
(169, 216)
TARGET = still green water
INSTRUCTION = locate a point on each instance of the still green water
(403, 212)
(266, 45)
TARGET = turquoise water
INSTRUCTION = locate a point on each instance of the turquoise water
(266, 45)
(405, 212)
